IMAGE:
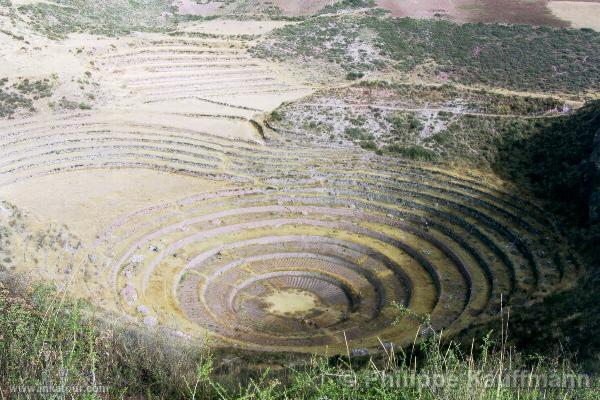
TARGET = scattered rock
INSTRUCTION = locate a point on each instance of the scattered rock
(388, 346)
(137, 259)
(180, 334)
(359, 352)
(142, 309)
(129, 294)
(150, 321)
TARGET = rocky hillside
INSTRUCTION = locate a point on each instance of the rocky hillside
(560, 161)
(594, 202)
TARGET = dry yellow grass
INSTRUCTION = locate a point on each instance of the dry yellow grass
(581, 14)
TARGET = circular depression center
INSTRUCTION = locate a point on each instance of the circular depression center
(291, 302)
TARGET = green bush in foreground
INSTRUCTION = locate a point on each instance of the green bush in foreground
(51, 349)
(44, 342)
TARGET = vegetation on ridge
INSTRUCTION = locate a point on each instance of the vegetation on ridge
(112, 17)
(558, 161)
(517, 57)
(19, 96)
(423, 122)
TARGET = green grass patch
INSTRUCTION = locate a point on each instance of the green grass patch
(48, 341)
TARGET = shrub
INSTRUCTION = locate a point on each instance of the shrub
(354, 75)
(414, 152)
(276, 116)
(42, 327)
(11, 102)
(38, 88)
(368, 145)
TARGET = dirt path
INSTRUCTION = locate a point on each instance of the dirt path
(430, 110)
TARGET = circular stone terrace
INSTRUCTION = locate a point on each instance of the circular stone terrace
(303, 247)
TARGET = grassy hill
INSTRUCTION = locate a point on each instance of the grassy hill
(555, 160)
(517, 57)
(558, 161)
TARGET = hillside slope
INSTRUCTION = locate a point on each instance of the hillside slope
(560, 161)
(516, 57)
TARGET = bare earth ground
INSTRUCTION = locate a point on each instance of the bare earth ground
(88, 201)
(233, 27)
(302, 7)
(581, 14)
(537, 12)
(287, 7)
(420, 9)
(121, 100)
(190, 7)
